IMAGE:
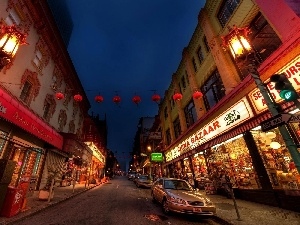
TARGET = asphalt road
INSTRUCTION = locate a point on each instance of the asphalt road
(118, 202)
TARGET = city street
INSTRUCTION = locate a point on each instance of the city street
(118, 201)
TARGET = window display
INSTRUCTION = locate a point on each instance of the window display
(200, 170)
(232, 158)
(277, 159)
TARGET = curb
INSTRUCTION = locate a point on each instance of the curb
(221, 220)
(12, 220)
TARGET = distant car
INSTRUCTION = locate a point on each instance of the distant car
(143, 181)
(131, 176)
(178, 195)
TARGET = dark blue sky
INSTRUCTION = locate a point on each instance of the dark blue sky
(128, 47)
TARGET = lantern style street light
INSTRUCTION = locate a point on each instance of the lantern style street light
(10, 39)
(240, 47)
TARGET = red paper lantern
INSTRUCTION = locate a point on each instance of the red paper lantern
(156, 98)
(77, 98)
(197, 94)
(117, 99)
(59, 96)
(177, 96)
(98, 98)
(136, 99)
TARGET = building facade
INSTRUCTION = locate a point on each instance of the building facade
(218, 131)
(41, 100)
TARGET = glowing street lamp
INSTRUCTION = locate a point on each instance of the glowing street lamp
(10, 39)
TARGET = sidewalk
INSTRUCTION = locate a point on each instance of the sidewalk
(250, 213)
(34, 205)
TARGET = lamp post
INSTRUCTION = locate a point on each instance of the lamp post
(10, 39)
(241, 49)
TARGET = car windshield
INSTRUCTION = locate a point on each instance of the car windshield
(176, 184)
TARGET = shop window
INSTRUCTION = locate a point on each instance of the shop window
(232, 158)
(177, 127)
(277, 159)
(3, 140)
(190, 114)
(26, 92)
(213, 90)
(200, 171)
(226, 10)
(168, 136)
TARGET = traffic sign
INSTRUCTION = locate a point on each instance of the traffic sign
(275, 121)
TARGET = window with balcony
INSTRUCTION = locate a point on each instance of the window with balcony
(26, 92)
(30, 86)
(213, 90)
(177, 127)
(49, 107)
(226, 10)
(190, 114)
(62, 119)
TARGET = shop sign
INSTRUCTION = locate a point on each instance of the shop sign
(292, 71)
(156, 157)
(16, 113)
(96, 152)
(232, 117)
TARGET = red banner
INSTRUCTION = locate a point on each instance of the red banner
(16, 113)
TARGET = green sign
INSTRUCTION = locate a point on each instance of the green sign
(288, 95)
(157, 157)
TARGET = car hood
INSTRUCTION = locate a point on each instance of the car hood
(187, 195)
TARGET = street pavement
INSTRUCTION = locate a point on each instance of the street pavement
(250, 213)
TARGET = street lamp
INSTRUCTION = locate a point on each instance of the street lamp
(10, 39)
(241, 49)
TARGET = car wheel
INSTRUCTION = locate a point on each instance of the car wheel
(165, 207)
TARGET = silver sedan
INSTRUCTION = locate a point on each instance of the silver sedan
(178, 195)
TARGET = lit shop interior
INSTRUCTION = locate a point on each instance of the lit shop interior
(233, 158)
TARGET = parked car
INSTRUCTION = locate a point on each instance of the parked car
(143, 181)
(178, 195)
(131, 175)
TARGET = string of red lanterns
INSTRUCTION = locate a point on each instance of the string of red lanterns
(136, 98)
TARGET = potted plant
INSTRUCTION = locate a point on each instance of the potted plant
(54, 175)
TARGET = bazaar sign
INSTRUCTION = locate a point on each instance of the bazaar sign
(292, 71)
(235, 115)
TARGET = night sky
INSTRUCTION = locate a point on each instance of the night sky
(128, 47)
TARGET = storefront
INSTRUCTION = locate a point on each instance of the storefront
(97, 166)
(24, 140)
(258, 163)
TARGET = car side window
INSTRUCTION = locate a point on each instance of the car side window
(169, 185)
